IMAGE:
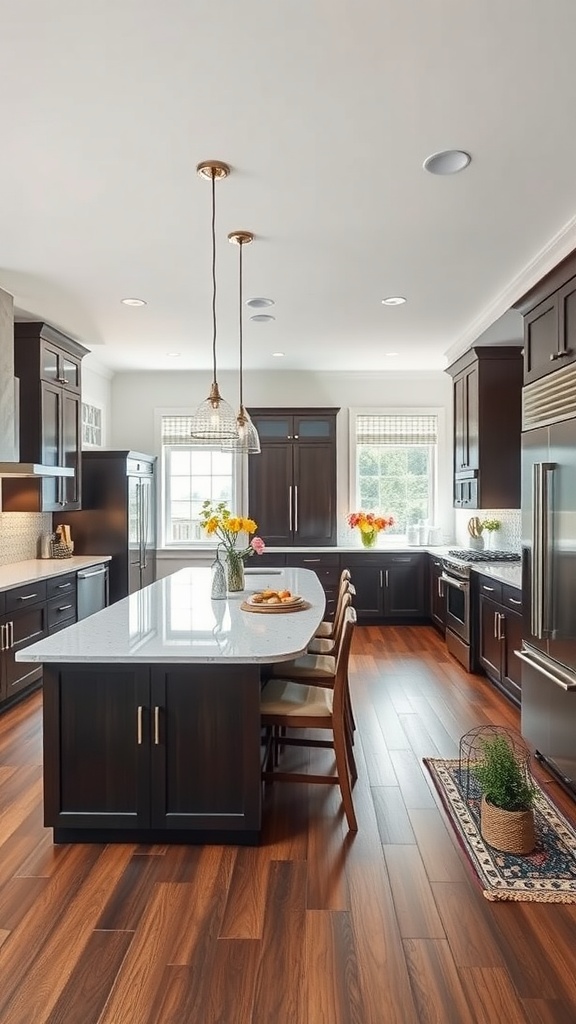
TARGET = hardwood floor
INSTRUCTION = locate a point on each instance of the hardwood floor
(314, 926)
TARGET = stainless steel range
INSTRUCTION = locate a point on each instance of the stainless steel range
(455, 579)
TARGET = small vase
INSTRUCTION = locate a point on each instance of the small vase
(369, 537)
(234, 572)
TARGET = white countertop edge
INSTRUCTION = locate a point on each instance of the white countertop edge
(33, 570)
(135, 659)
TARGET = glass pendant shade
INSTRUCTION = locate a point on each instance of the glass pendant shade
(214, 420)
(247, 440)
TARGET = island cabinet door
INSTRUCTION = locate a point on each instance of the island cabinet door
(205, 747)
(96, 746)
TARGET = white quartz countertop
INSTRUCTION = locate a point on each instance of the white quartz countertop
(175, 620)
(501, 571)
(35, 569)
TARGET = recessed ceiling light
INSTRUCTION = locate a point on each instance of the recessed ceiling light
(278, 355)
(259, 303)
(449, 161)
(173, 355)
(392, 354)
(394, 300)
(262, 318)
(133, 302)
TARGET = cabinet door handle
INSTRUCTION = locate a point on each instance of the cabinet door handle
(440, 587)
(2, 644)
(295, 508)
(560, 355)
(381, 579)
(501, 625)
(10, 628)
(156, 726)
(27, 597)
(386, 576)
(63, 380)
(495, 625)
(290, 507)
(139, 725)
(514, 601)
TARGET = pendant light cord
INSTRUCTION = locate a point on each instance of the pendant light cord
(240, 327)
(214, 274)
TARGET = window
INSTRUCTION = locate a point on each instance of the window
(394, 460)
(191, 475)
(91, 426)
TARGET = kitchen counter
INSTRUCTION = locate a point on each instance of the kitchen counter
(504, 572)
(34, 569)
(174, 620)
(152, 711)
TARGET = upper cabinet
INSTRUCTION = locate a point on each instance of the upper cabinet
(487, 427)
(549, 312)
(292, 484)
(48, 365)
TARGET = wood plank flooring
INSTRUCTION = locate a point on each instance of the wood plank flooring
(314, 926)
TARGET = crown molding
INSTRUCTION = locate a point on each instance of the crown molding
(555, 250)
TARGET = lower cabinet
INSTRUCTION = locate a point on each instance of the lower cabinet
(327, 569)
(389, 587)
(24, 622)
(151, 749)
(500, 635)
(437, 593)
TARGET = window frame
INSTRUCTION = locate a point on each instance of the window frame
(354, 413)
(239, 485)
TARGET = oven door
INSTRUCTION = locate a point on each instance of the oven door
(457, 606)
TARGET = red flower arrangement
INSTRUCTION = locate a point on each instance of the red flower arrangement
(369, 525)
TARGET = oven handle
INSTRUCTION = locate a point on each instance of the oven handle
(459, 584)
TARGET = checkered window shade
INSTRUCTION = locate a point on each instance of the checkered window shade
(397, 430)
(177, 430)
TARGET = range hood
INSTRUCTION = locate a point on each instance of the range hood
(10, 466)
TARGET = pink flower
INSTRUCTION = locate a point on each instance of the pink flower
(257, 545)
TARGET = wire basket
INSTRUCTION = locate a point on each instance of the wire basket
(60, 550)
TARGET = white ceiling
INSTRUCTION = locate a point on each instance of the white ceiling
(325, 110)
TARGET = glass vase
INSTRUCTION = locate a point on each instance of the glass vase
(234, 572)
(369, 538)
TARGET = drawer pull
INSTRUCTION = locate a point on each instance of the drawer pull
(63, 586)
(310, 559)
(27, 597)
(64, 607)
(514, 601)
(489, 589)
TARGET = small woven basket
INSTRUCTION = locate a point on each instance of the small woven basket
(59, 550)
(507, 831)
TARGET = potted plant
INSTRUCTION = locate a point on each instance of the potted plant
(492, 526)
(506, 813)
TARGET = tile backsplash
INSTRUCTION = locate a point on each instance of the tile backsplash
(507, 538)
(20, 535)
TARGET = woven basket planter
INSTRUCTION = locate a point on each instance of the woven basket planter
(508, 831)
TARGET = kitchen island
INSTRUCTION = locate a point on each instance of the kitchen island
(151, 711)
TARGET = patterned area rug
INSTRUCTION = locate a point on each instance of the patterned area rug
(548, 875)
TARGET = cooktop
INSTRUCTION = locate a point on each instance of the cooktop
(467, 555)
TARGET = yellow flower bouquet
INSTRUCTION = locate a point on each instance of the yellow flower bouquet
(219, 522)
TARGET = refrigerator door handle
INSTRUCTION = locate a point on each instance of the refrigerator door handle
(145, 502)
(541, 590)
(140, 520)
(561, 678)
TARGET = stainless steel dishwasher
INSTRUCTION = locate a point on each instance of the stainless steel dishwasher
(92, 592)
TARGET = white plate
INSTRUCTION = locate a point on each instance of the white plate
(295, 599)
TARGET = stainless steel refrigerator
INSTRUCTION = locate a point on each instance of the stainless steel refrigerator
(118, 517)
(549, 571)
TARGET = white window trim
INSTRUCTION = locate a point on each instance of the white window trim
(388, 410)
(239, 485)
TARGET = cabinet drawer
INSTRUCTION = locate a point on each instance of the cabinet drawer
(2, 602)
(512, 598)
(489, 588)
(26, 596)
(326, 567)
(268, 560)
(61, 586)
(61, 609)
(402, 559)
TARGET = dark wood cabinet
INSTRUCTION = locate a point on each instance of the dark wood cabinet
(327, 569)
(437, 593)
(389, 587)
(23, 622)
(549, 312)
(500, 635)
(487, 427)
(128, 748)
(292, 483)
(48, 365)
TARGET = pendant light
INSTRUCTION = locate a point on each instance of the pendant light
(247, 440)
(214, 421)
